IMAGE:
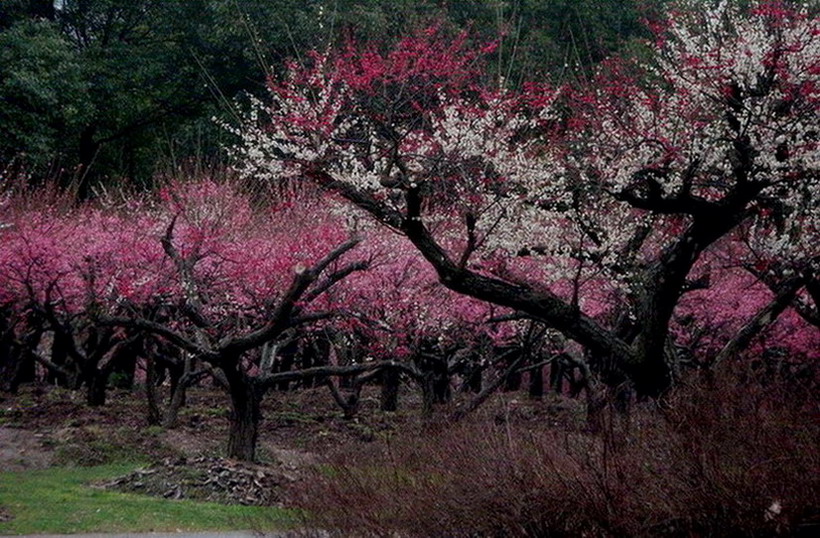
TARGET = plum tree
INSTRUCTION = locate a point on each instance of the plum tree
(588, 208)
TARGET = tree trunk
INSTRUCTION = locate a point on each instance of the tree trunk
(88, 153)
(125, 365)
(513, 381)
(441, 382)
(475, 379)
(428, 396)
(557, 376)
(596, 406)
(8, 369)
(8, 356)
(96, 382)
(390, 389)
(151, 396)
(482, 396)
(245, 416)
(441, 385)
(59, 356)
(178, 397)
(349, 402)
(536, 385)
(170, 419)
(285, 359)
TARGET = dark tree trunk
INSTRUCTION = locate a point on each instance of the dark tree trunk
(487, 391)
(390, 389)
(178, 394)
(8, 353)
(24, 370)
(435, 381)
(96, 382)
(10, 358)
(151, 396)
(596, 407)
(557, 376)
(428, 393)
(315, 353)
(175, 369)
(536, 383)
(475, 379)
(349, 402)
(59, 356)
(441, 386)
(245, 415)
(285, 359)
(125, 364)
(170, 419)
(513, 382)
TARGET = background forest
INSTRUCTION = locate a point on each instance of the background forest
(106, 92)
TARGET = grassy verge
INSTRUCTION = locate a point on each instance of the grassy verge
(59, 500)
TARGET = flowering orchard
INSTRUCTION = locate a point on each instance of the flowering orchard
(594, 210)
(667, 214)
(198, 269)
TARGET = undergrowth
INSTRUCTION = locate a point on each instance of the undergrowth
(724, 458)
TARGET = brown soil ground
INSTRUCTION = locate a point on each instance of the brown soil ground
(43, 426)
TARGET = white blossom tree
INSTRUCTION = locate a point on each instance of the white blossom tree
(586, 209)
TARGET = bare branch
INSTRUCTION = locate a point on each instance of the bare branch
(193, 307)
(334, 278)
(159, 329)
(281, 318)
(269, 380)
(765, 317)
(488, 391)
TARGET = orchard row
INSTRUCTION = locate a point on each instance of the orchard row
(403, 215)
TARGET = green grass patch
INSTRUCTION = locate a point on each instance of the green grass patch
(293, 417)
(60, 500)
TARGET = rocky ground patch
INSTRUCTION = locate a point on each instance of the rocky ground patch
(211, 479)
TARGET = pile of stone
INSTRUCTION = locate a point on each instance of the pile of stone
(207, 479)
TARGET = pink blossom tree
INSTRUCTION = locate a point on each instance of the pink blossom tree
(58, 266)
(242, 279)
(197, 267)
(617, 190)
(403, 313)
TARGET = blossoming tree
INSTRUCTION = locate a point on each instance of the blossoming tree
(585, 209)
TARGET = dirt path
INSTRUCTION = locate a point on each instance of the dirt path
(21, 450)
(223, 534)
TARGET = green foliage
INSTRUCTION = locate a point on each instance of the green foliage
(559, 39)
(60, 500)
(42, 86)
(107, 90)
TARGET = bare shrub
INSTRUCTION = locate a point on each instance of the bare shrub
(716, 459)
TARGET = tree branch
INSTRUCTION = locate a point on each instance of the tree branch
(488, 391)
(153, 327)
(765, 317)
(281, 318)
(193, 306)
(269, 380)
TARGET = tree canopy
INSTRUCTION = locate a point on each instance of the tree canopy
(99, 91)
